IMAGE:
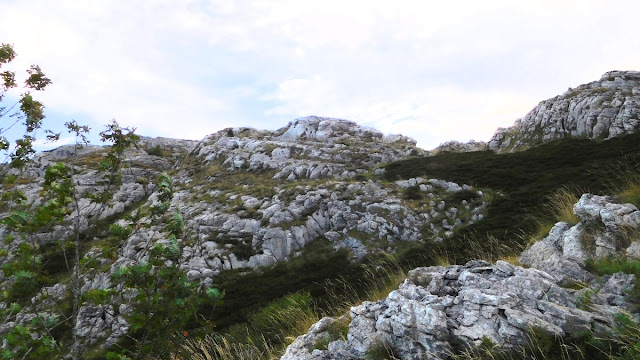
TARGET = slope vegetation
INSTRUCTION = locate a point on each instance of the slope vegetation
(526, 181)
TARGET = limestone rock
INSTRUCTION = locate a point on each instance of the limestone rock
(601, 233)
(456, 146)
(437, 306)
(320, 180)
(601, 109)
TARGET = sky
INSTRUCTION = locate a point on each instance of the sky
(432, 70)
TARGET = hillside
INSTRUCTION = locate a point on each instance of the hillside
(527, 180)
(243, 199)
(218, 235)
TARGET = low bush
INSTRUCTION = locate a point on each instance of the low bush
(155, 151)
(413, 193)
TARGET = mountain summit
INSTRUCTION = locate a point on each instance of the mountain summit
(601, 109)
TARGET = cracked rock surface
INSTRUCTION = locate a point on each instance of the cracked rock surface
(601, 109)
(462, 304)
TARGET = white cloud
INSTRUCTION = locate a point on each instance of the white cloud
(434, 70)
(426, 115)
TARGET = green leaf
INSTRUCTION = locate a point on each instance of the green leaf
(213, 293)
(6, 54)
(36, 80)
(15, 308)
(33, 111)
(115, 356)
(9, 79)
(16, 218)
(8, 354)
(24, 275)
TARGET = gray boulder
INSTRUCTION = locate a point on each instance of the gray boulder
(437, 306)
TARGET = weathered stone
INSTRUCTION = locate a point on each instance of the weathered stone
(498, 302)
(602, 109)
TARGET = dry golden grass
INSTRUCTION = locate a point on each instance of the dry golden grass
(216, 347)
(512, 259)
(489, 248)
(560, 205)
(443, 260)
(631, 193)
(290, 317)
(626, 182)
(382, 282)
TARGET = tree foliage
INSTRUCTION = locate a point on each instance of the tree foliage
(26, 110)
(161, 297)
(166, 300)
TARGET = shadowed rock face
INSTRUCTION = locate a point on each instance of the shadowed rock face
(601, 109)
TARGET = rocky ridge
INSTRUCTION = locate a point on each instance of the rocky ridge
(457, 146)
(601, 109)
(307, 148)
(251, 198)
(469, 304)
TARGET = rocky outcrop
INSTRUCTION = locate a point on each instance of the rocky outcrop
(437, 307)
(308, 148)
(361, 216)
(607, 228)
(456, 146)
(602, 109)
(463, 305)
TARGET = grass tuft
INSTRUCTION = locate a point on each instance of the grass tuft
(381, 351)
(631, 193)
(560, 205)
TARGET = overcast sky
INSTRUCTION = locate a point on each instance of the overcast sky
(433, 70)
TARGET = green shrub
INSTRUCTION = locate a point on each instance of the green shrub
(243, 251)
(413, 193)
(458, 196)
(155, 151)
(609, 266)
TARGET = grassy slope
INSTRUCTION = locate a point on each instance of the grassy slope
(247, 293)
(525, 178)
